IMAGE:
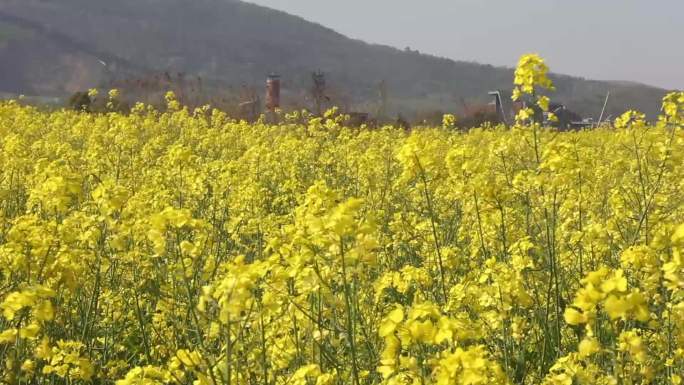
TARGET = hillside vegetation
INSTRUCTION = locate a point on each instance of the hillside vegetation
(54, 48)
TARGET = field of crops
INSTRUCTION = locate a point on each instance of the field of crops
(183, 247)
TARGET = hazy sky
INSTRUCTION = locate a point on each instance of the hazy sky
(640, 40)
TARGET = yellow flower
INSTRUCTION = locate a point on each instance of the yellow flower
(30, 331)
(531, 72)
(448, 121)
(525, 114)
(189, 359)
(148, 375)
(629, 119)
(16, 301)
(44, 311)
(616, 283)
(574, 317)
(28, 366)
(422, 331)
(543, 103)
(299, 377)
(114, 94)
(8, 336)
(391, 321)
(632, 343)
(588, 346)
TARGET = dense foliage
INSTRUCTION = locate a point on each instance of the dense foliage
(184, 247)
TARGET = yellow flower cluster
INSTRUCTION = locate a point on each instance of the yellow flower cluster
(184, 247)
(531, 75)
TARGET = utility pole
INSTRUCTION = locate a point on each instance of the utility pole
(603, 110)
(318, 91)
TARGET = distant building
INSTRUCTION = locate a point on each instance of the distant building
(273, 92)
(565, 116)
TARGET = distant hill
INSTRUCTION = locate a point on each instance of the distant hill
(54, 48)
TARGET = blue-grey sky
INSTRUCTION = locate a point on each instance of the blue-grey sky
(638, 40)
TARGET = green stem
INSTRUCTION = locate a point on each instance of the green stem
(350, 329)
